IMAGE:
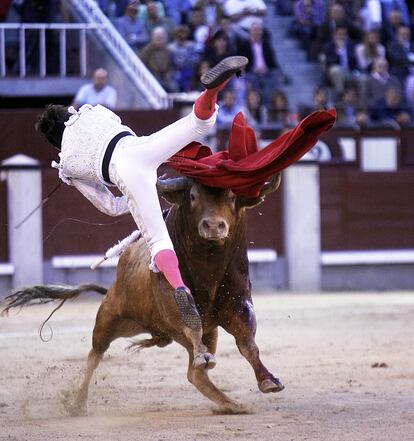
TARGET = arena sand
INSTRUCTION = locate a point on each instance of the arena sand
(347, 361)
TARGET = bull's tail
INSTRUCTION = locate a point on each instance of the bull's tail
(38, 294)
(158, 340)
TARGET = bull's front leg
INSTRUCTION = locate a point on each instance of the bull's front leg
(240, 321)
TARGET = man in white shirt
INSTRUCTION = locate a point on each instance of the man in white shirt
(96, 92)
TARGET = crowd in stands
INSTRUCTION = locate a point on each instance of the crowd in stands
(365, 49)
(366, 52)
(178, 41)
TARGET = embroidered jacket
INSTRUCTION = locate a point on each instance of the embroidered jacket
(84, 142)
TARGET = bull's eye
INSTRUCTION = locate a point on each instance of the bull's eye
(233, 198)
(192, 197)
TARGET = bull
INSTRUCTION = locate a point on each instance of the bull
(208, 228)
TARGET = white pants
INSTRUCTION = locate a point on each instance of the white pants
(133, 169)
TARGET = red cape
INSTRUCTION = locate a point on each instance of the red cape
(243, 167)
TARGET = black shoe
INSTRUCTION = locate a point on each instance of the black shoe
(223, 70)
(188, 311)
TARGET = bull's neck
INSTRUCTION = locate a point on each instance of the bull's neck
(202, 263)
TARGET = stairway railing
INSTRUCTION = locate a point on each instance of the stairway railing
(110, 38)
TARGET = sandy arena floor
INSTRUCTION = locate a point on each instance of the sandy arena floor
(324, 347)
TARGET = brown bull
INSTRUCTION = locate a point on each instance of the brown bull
(208, 229)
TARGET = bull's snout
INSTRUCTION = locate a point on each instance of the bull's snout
(213, 228)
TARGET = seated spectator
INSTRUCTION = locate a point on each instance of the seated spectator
(409, 90)
(245, 12)
(349, 110)
(400, 53)
(391, 109)
(368, 50)
(396, 5)
(320, 101)
(199, 70)
(340, 59)
(184, 57)
(308, 16)
(370, 15)
(255, 111)
(335, 19)
(225, 25)
(158, 59)
(263, 71)
(96, 92)
(379, 81)
(199, 31)
(391, 22)
(212, 11)
(131, 27)
(228, 109)
(217, 49)
(153, 18)
(278, 109)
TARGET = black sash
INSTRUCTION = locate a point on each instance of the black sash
(108, 154)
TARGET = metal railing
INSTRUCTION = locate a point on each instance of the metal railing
(125, 57)
(41, 28)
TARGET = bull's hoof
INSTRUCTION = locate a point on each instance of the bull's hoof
(271, 385)
(204, 361)
(232, 408)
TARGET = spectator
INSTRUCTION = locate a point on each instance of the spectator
(320, 102)
(349, 110)
(199, 31)
(378, 82)
(158, 59)
(227, 26)
(370, 15)
(278, 109)
(255, 111)
(308, 16)
(368, 50)
(409, 90)
(131, 27)
(396, 5)
(228, 109)
(245, 12)
(153, 18)
(184, 56)
(212, 11)
(400, 53)
(392, 109)
(392, 21)
(335, 18)
(96, 92)
(37, 11)
(340, 59)
(263, 71)
(218, 48)
(200, 69)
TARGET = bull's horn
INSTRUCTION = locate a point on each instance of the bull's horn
(272, 185)
(268, 187)
(171, 184)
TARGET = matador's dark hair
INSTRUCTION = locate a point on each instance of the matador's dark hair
(52, 123)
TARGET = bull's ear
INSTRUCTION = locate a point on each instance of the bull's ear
(268, 187)
(172, 189)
